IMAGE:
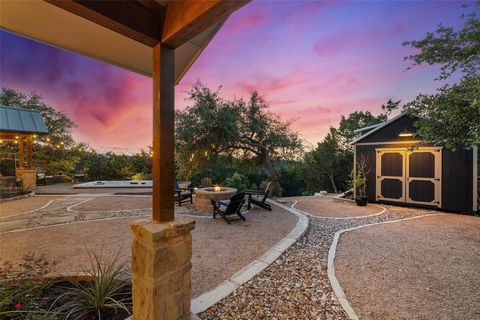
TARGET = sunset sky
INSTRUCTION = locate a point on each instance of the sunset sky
(312, 61)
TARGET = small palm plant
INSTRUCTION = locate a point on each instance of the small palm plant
(108, 293)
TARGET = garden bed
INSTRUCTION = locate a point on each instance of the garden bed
(28, 291)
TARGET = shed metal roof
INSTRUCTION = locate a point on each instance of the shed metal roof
(376, 128)
(17, 120)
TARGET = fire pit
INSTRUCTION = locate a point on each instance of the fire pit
(203, 196)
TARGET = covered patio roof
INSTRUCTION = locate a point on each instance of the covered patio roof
(121, 35)
(21, 121)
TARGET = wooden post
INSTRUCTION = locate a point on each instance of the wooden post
(20, 152)
(163, 133)
(29, 152)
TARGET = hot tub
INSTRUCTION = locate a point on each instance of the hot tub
(114, 184)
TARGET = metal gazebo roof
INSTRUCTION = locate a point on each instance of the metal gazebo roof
(22, 121)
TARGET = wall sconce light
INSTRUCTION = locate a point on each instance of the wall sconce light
(405, 133)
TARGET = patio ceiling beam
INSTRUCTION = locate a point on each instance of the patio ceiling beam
(187, 19)
(138, 20)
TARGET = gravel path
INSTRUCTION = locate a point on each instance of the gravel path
(57, 213)
(115, 203)
(428, 265)
(16, 207)
(296, 285)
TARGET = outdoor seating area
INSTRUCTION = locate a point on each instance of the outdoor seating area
(101, 223)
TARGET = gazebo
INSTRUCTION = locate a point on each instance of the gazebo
(157, 38)
(22, 126)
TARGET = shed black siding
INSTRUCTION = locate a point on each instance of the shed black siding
(457, 176)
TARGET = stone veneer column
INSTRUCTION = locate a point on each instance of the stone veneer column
(161, 269)
(28, 177)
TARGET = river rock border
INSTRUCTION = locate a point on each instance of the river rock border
(224, 289)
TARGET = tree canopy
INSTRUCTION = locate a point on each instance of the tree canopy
(451, 116)
(329, 165)
(213, 127)
(58, 123)
(452, 50)
(359, 119)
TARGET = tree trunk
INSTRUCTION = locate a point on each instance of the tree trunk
(330, 175)
(271, 170)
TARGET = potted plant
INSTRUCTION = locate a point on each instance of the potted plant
(361, 182)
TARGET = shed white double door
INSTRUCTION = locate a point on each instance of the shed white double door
(410, 176)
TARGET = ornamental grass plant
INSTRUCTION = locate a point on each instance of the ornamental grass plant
(106, 296)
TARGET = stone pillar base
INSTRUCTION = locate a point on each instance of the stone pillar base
(161, 269)
(28, 177)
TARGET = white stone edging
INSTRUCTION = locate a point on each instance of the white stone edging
(224, 289)
(344, 218)
(68, 223)
(337, 289)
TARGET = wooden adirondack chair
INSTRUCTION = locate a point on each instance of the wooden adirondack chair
(182, 194)
(259, 198)
(42, 176)
(229, 207)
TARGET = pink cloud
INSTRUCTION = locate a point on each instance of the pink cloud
(349, 40)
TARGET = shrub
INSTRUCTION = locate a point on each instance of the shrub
(238, 181)
(142, 176)
(21, 288)
(291, 180)
(217, 172)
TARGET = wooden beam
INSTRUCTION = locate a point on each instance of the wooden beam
(8, 136)
(163, 133)
(186, 19)
(20, 152)
(140, 21)
(29, 152)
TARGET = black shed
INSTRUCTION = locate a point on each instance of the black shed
(402, 170)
